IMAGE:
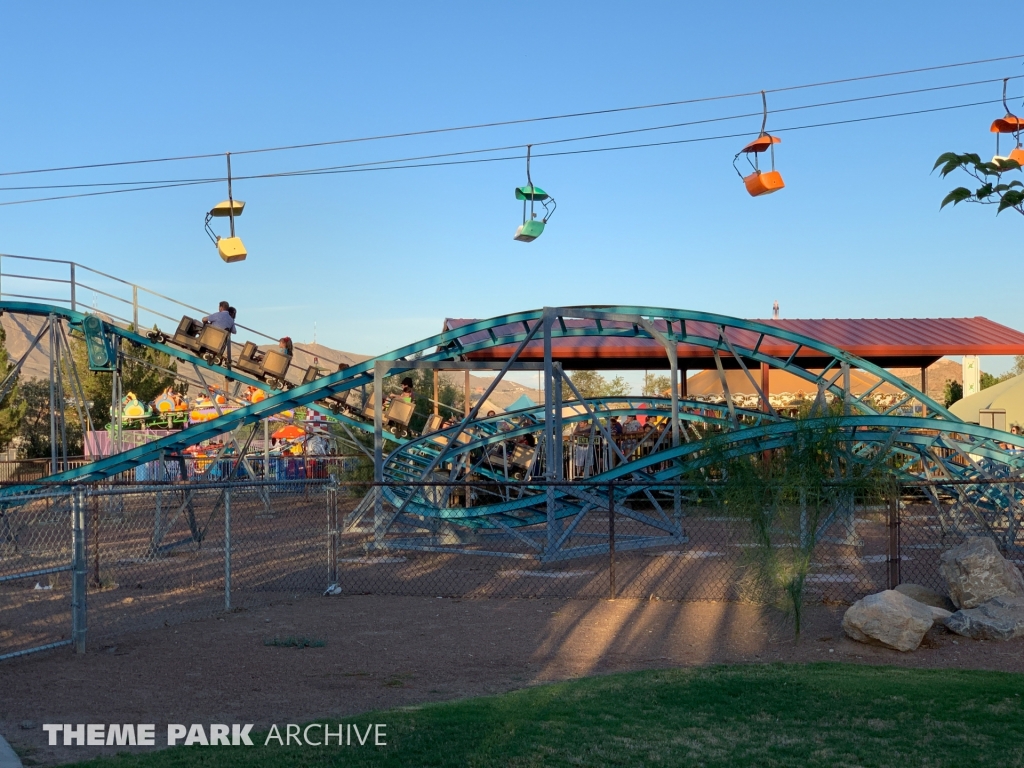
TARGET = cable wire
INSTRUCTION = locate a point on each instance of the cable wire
(588, 137)
(520, 121)
(361, 168)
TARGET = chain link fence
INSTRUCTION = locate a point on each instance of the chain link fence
(160, 554)
(36, 554)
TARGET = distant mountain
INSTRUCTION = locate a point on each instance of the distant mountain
(936, 376)
(21, 330)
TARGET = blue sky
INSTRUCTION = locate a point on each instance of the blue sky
(379, 259)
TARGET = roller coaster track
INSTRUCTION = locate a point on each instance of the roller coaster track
(938, 446)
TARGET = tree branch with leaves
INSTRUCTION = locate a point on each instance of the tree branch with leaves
(989, 175)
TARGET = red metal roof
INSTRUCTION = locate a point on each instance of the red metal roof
(911, 342)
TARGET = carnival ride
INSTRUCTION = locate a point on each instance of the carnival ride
(537, 472)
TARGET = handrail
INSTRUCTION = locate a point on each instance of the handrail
(74, 299)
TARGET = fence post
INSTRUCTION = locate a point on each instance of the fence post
(611, 540)
(893, 551)
(96, 541)
(227, 548)
(332, 533)
(73, 303)
(79, 567)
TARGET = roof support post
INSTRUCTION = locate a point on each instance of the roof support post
(924, 388)
(673, 365)
(549, 407)
(846, 388)
(765, 388)
(555, 464)
(549, 418)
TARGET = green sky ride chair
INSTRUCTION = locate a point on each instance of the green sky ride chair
(531, 228)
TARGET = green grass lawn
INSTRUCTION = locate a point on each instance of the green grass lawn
(816, 715)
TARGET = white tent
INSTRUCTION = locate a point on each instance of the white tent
(1006, 396)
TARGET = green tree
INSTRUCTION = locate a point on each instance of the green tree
(12, 406)
(952, 392)
(655, 385)
(449, 396)
(988, 380)
(989, 175)
(592, 384)
(34, 428)
(1018, 365)
(140, 373)
(617, 387)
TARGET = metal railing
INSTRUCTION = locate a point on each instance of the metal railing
(60, 282)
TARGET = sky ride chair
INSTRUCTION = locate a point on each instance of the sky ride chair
(531, 228)
(270, 366)
(1009, 124)
(760, 182)
(230, 249)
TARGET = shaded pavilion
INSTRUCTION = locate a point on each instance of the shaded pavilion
(888, 343)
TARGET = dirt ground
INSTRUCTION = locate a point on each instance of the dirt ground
(386, 652)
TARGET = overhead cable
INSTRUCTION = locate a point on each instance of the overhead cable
(588, 137)
(380, 166)
(521, 121)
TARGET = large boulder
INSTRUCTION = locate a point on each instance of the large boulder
(889, 618)
(926, 596)
(976, 572)
(1001, 618)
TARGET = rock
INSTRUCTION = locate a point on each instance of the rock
(889, 618)
(939, 615)
(926, 596)
(976, 573)
(1001, 618)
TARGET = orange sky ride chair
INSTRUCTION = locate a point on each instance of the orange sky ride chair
(761, 182)
(1009, 124)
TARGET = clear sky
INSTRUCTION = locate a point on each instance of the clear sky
(379, 259)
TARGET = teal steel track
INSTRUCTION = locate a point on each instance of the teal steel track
(759, 431)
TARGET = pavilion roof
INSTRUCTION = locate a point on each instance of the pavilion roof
(897, 342)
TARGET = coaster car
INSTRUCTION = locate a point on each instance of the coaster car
(202, 339)
(270, 366)
(336, 402)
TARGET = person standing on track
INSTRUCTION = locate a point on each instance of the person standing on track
(224, 319)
